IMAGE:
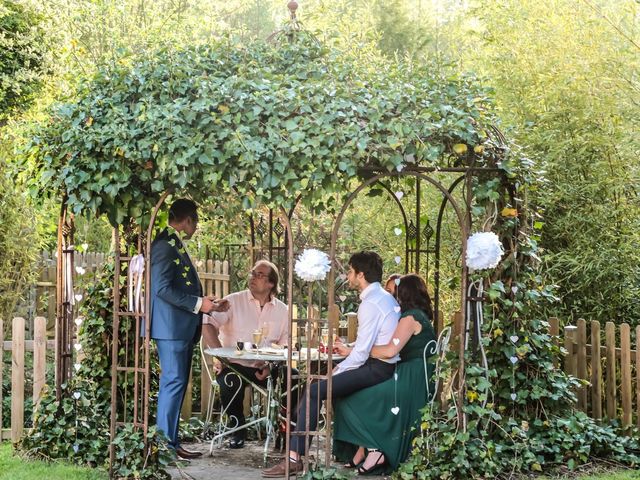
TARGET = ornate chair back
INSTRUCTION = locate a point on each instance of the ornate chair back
(439, 348)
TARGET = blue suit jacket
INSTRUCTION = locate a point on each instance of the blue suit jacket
(175, 289)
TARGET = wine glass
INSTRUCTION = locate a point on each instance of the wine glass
(324, 335)
(257, 338)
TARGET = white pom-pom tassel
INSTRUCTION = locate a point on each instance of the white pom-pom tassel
(484, 250)
(312, 265)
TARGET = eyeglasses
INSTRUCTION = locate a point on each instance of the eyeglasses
(259, 275)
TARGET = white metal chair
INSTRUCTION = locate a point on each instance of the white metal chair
(438, 347)
(215, 389)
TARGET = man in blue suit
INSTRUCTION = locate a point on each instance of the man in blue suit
(177, 305)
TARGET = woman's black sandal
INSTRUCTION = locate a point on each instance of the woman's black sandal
(375, 466)
(352, 464)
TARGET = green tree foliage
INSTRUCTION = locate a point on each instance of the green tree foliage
(23, 67)
(566, 82)
(23, 56)
(94, 33)
(19, 244)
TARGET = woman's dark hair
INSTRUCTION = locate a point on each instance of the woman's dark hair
(369, 263)
(412, 293)
(183, 208)
(392, 278)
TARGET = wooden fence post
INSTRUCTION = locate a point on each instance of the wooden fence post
(226, 285)
(610, 381)
(569, 345)
(39, 358)
(596, 372)
(581, 362)
(625, 370)
(17, 379)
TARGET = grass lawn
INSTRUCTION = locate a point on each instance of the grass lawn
(621, 474)
(615, 475)
(15, 468)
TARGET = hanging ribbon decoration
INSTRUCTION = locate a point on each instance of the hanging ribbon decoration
(484, 251)
(68, 274)
(135, 280)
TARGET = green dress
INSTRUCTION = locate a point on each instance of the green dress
(365, 418)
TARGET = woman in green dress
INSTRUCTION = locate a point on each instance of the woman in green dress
(373, 428)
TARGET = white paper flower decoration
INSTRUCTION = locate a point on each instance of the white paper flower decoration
(484, 250)
(312, 265)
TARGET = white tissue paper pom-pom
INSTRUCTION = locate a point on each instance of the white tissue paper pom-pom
(484, 250)
(312, 265)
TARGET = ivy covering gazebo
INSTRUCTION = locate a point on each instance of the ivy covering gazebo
(288, 122)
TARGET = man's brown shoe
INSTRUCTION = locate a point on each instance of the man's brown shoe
(187, 454)
(278, 470)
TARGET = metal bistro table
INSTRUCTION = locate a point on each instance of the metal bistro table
(272, 392)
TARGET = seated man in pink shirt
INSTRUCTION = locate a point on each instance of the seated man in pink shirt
(256, 308)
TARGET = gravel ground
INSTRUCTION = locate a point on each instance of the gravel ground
(227, 464)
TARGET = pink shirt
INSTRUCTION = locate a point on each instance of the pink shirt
(244, 316)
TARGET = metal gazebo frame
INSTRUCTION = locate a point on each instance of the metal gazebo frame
(136, 361)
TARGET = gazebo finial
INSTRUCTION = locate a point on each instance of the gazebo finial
(293, 6)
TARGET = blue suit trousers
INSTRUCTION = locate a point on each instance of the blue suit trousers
(175, 367)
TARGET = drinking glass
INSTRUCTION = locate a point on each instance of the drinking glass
(324, 335)
(257, 338)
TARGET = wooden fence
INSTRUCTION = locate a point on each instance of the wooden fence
(18, 346)
(614, 379)
(612, 390)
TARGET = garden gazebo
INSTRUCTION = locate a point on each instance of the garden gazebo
(270, 124)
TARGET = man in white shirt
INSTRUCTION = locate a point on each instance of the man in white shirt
(254, 309)
(378, 317)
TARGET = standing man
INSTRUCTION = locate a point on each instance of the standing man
(378, 317)
(177, 305)
(254, 309)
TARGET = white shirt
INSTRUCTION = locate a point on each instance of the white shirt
(378, 316)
